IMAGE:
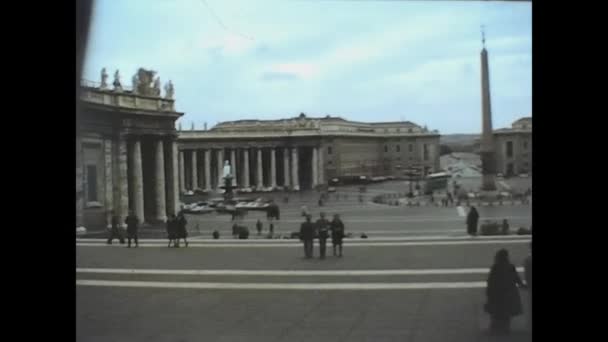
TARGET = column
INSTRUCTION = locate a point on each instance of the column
(246, 168)
(109, 193)
(260, 175)
(273, 169)
(208, 170)
(321, 175)
(220, 167)
(182, 172)
(123, 180)
(194, 182)
(294, 168)
(79, 185)
(159, 183)
(174, 194)
(315, 167)
(233, 166)
(286, 175)
(138, 181)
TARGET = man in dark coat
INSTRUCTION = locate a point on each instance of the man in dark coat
(307, 233)
(472, 219)
(171, 230)
(132, 226)
(258, 226)
(528, 278)
(503, 300)
(182, 232)
(322, 226)
(337, 233)
(115, 230)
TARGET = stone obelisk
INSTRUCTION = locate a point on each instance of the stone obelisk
(488, 158)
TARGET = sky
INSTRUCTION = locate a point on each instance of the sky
(365, 61)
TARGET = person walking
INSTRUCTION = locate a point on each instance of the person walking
(503, 300)
(472, 219)
(337, 233)
(115, 232)
(528, 279)
(505, 227)
(307, 235)
(171, 230)
(182, 232)
(322, 226)
(258, 226)
(132, 226)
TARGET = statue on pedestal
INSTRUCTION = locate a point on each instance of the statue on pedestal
(227, 169)
(169, 90)
(116, 83)
(104, 78)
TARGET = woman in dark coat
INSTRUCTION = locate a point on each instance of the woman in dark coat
(503, 300)
(472, 219)
(182, 232)
(172, 230)
(337, 233)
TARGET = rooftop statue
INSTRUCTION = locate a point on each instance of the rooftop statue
(116, 83)
(169, 91)
(104, 78)
(157, 86)
(135, 83)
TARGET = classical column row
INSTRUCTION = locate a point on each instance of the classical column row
(123, 171)
(239, 160)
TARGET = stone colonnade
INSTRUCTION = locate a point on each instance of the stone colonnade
(123, 175)
(240, 160)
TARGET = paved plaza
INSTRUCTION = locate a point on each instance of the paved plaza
(418, 277)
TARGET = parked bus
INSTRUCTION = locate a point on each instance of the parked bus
(436, 181)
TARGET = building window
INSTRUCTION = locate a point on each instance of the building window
(328, 149)
(329, 162)
(411, 148)
(525, 144)
(425, 152)
(409, 130)
(385, 148)
(509, 149)
(92, 183)
(398, 148)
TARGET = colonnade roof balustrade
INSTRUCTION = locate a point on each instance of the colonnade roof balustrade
(305, 127)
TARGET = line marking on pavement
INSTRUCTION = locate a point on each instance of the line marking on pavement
(293, 244)
(395, 220)
(283, 286)
(291, 272)
(350, 240)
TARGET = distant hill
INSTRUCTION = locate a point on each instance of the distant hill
(458, 143)
(458, 139)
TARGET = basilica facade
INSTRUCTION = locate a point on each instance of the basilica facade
(302, 152)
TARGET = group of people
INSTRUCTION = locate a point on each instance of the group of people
(322, 229)
(132, 223)
(503, 299)
(176, 229)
